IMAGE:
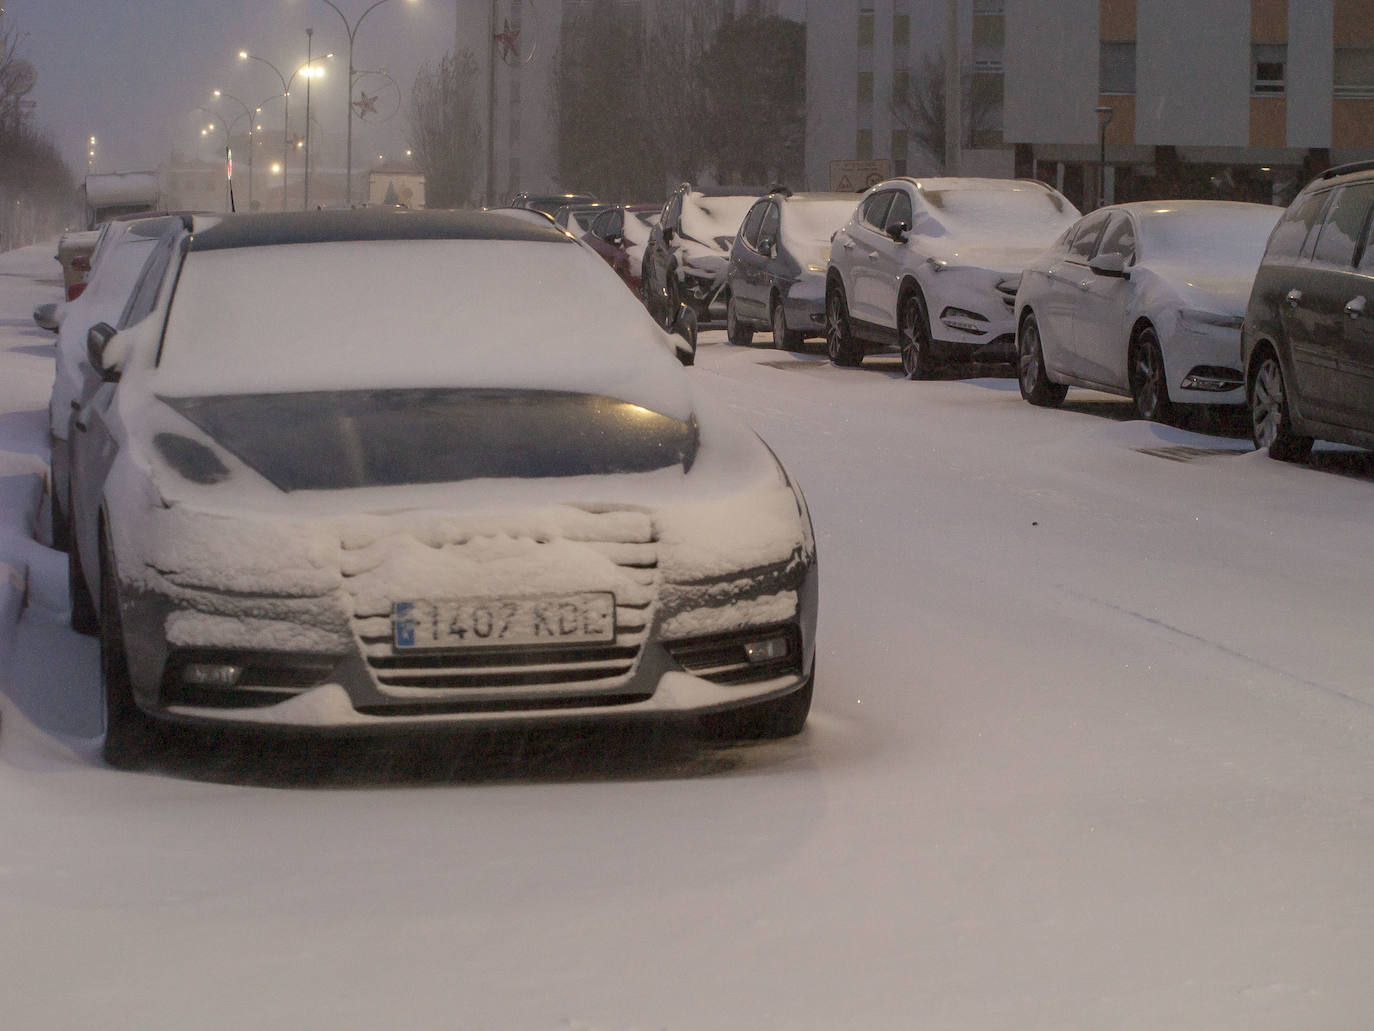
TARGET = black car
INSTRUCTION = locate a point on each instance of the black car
(549, 203)
(689, 251)
(1308, 340)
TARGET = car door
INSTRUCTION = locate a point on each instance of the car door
(1101, 325)
(1356, 359)
(862, 249)
(1318, 337)
(747, 272)
(1067, 278)
(890, 260)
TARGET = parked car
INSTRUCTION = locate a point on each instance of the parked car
(619, 234)
(550, 202)
(577, 218)
(776, 277)
(688, 254)
(132, 252)
(488, 495)
(930, 267)
(74, 250)
(1308, 339)
(1144, 300)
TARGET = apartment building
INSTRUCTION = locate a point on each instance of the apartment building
(1116, 100)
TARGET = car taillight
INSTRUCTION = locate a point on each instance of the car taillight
(74, 291)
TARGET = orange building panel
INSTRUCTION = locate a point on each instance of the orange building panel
(1269, 22)
(1121, 129)
(1268, 122)
(1354, 23)
(1116, 21)
(1352, 122)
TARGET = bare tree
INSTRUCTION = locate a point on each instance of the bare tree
(445, 133)
(922, 108)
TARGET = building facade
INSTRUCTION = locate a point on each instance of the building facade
(1117, 100)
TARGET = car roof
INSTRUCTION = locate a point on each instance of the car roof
(276, 228)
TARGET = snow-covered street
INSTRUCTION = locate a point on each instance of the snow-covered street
(1090, 748)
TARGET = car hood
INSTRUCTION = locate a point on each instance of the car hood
(1221, 289)
(1003, 257)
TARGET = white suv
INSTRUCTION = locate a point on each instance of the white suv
(931, 266)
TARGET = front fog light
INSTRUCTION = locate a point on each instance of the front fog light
(211, 674)
(962, 318)
(767, 650)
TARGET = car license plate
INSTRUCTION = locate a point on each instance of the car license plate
(510, 622)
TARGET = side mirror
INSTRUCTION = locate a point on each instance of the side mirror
(97, 343)
(46, 317)
(1112, 265)
(768, 248)
(898, 231)
(667, 234)
(685, 326)
(81, 263)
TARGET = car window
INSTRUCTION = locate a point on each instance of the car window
(899, 212)
(874, 211)
(768, 230)
(1085, 239)
(603, 226)
(144, 298)
(673, 211)
(1295, 226)
(752, 221)
(1119, 238)
(1344, 225)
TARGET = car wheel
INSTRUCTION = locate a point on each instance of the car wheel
(770, 720)
(1035, 383)
(840, 344)
(1271, 425)
(918, 356)
(1149, 383)
(130, 734)
(735, 331)
(85, 619)
(787, 339)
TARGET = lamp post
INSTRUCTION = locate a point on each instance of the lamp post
(352, 31)
(1104, 119)
(309, 43)
(221, 95)
(244, 55)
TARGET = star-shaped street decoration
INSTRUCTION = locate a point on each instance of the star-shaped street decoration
(365, 105)
(509, 41)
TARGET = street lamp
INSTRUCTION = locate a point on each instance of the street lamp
(352, 31)
(221, 95)
(308, 72)
(1104, 119)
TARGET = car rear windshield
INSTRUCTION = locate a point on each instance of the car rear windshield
(334, 440)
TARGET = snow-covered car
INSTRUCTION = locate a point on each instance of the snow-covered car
(620, 234)
(549, 203)
(442, 470)
(930, 267)
(776, 277)
(1145, 300)
(688, 254)
(132, 252)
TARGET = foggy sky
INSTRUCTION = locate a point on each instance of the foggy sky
(132, 72)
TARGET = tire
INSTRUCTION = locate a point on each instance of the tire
(840, 344)
(130, 734)
(765, 721)
(85, 619)
(913, 327)
(1271, 423)
(1034, 381)
(1149, 382)
(736, 332)
(787, 339)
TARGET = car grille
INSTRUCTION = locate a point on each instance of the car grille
(524, 672)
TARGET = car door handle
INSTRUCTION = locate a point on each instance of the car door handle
(1293, 298)
(872, 255)
(1051, 274)
(1355, 307)
(848, 245)
(79, 423)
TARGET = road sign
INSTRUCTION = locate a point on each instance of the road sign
(855, 176)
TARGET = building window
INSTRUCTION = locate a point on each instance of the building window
(864, 90)
(863, 145)
(1116, 72)
(899, 152)
(901, 30)
(1268, 62)
(866, 28)
(901, 85)
(1354, 72)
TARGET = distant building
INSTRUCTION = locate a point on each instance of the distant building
(186, 184)
(396, 182)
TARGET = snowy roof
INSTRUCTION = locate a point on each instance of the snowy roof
(275, 228)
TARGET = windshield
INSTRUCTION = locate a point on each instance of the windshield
(714, 221)
(1007, 213)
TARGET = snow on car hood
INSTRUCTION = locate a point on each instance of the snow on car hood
(1222, 289)
(997, 256)
(379, 315)
(713, 221)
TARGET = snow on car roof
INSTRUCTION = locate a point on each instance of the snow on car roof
(275, 228)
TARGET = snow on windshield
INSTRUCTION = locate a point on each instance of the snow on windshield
(808, 225)
(1217, 231)
(1001, 211)
(707, 219)
(413, 313)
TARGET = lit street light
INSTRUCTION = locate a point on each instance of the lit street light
(352, 31)
(307, 72)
